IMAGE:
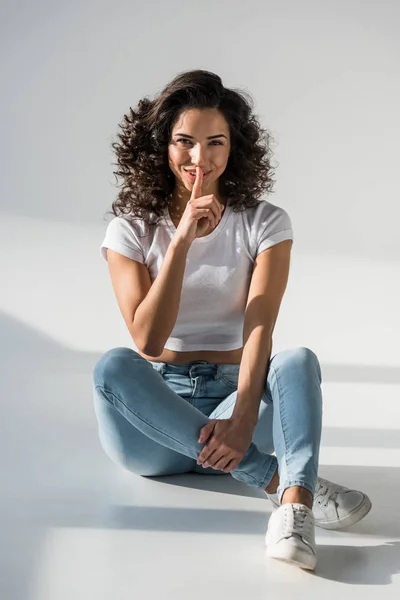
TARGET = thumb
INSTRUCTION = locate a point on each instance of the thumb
(206, 432)
(198, 184)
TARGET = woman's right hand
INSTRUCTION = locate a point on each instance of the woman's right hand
(201, 213)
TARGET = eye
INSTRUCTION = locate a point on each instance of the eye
(216, 141)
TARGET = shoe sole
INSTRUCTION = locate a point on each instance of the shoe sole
(354, 517)
(296, 558)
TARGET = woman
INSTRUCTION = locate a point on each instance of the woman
(199, 266)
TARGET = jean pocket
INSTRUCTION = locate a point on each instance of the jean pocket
(229, 375)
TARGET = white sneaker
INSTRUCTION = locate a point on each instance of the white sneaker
(335, 506)
(290, 535)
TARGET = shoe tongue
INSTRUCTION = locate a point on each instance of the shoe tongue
(326, 487)
(298, 506)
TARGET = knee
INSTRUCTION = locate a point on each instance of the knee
(300, 357)
(113, 362)
(305, 355)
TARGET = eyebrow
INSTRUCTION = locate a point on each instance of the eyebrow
(211, 137)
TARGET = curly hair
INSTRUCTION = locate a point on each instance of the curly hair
(142, 152)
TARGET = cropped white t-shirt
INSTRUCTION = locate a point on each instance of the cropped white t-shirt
(217, 274)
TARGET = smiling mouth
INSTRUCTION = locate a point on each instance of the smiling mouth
(194, 172)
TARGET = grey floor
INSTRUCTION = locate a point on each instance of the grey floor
(74, 525)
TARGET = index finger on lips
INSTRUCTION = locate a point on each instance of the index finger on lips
(198, 184)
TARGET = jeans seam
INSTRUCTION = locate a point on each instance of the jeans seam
(141, 419)
(225, 408)
(227, 382)
(281, 416)
(269, 475)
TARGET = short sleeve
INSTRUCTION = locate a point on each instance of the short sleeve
(279, 228)
(122, 237)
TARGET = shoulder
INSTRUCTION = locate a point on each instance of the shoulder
(271, 225)
(127, 236)
(266, 214)
(125, 224)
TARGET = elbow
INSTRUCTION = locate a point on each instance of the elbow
(147, 348)
(145, 345)
(151, 352)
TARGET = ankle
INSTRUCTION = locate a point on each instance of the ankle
(297, 494)
(273, 484)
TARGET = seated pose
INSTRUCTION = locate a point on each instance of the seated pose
(199, 265)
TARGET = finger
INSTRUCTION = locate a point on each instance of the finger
(204, 454)
(198, 184)
(232, 464)
(216, 212)
(206, 431)
(222, 463)
(211, 459)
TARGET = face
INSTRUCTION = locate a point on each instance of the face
(211, 155)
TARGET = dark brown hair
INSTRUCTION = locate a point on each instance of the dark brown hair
(142, 150)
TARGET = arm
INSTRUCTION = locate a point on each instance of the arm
(267, 286)
(155, 317)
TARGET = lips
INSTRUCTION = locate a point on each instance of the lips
(193, 172)
(192, 176)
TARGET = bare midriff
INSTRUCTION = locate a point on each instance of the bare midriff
(224, 357)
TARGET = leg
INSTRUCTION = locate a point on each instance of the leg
(126, 383)
(293, 402)
(296, 383)
(334, 506)
(128, 447)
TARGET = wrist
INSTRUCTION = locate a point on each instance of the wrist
(179, 244)
(244, 419)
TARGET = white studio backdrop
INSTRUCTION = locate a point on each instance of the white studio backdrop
(325, 80)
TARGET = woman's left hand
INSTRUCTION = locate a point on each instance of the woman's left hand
(230, 440)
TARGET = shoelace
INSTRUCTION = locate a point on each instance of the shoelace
(301, 525)
(326, 490)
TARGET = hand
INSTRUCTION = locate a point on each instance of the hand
(201, 213)
(229, 441)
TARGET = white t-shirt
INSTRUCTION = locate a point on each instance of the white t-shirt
(217, 274)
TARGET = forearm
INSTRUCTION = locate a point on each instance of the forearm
(253, 373)
(156, 315)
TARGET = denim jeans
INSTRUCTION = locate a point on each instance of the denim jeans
(150, 415)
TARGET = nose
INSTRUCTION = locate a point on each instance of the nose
(197, 155)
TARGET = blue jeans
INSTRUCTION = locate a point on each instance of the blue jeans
(150, 415)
